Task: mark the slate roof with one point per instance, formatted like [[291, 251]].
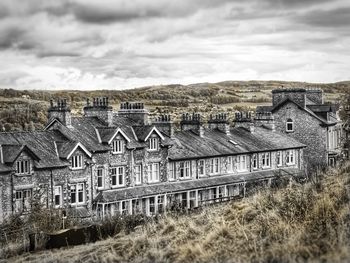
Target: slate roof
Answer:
[[216, 143], [65, 148], [4, 168], [10, 152], [83, 130], [142, 131], [162, 188], [40, 143]]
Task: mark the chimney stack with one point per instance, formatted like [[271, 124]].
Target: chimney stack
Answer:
[[135, 111], [192, 122], [245, 120], [219, 122], [265, 119], [61, 111], [164, 124], [100, 108]]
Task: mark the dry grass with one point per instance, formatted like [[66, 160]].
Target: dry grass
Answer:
[[302, 223]]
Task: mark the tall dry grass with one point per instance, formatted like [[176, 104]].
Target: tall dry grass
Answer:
[[301, 223]]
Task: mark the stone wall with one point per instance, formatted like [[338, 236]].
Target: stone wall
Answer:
[[307, 129]]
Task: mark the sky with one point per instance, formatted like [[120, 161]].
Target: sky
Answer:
[[105, 44]]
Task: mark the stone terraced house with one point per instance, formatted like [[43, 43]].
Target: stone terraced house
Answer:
[[106, 163], [303, 115]]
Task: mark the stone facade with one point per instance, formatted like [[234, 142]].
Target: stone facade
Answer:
[[301, 114], [106, 163]]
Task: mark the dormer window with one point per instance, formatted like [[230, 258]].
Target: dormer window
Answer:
[[23, 167], [77, 162], [289, 125], [153, 143], [118, 146]]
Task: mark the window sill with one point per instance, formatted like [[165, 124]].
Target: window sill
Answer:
[[185, 178], [116, 153], [77, 204], [18, 174], [153, 182], [153, 150], [76, 168], [289, 131], [117, 186]]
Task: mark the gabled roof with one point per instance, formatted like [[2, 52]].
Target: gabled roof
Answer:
[[118, 130], [66, 149], [143, 132], [306, 109], [40, 143], [52, 122], [11, 152]]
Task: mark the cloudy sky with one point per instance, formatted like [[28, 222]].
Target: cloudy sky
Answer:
[[105, 44]]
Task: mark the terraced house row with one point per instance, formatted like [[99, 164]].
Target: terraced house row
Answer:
[[106, 163]]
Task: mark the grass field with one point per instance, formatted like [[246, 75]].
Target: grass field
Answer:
[[300, 223]]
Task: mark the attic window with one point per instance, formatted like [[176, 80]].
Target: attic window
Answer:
[[233, 142], [153, 144], [289, 125], [118, 146], [77, 162], [23, 167]]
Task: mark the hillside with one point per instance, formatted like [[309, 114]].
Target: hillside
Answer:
[[302, 223], [26, 109]]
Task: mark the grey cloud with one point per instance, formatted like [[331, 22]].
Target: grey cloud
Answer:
[[49, 53], [12, 36], [292, 3], [105, 14], [339, 17]]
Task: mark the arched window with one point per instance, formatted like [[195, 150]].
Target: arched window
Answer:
[[289, 125]]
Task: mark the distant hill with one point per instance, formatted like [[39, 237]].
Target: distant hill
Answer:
[[26, 109]]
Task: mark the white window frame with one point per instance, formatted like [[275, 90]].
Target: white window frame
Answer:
[[77, 162], [172, 171], [215, 165], [185, 170], [138, 174], [242, 163], [290, 157], [255, 161], [79, 188], [230, 164], [118, 174], [23, 166], [100, 175], [58, 192], [118, 146], [153, 172], [201, 164], [289, 122], [279, 158], [266, 160], [153, 143]]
